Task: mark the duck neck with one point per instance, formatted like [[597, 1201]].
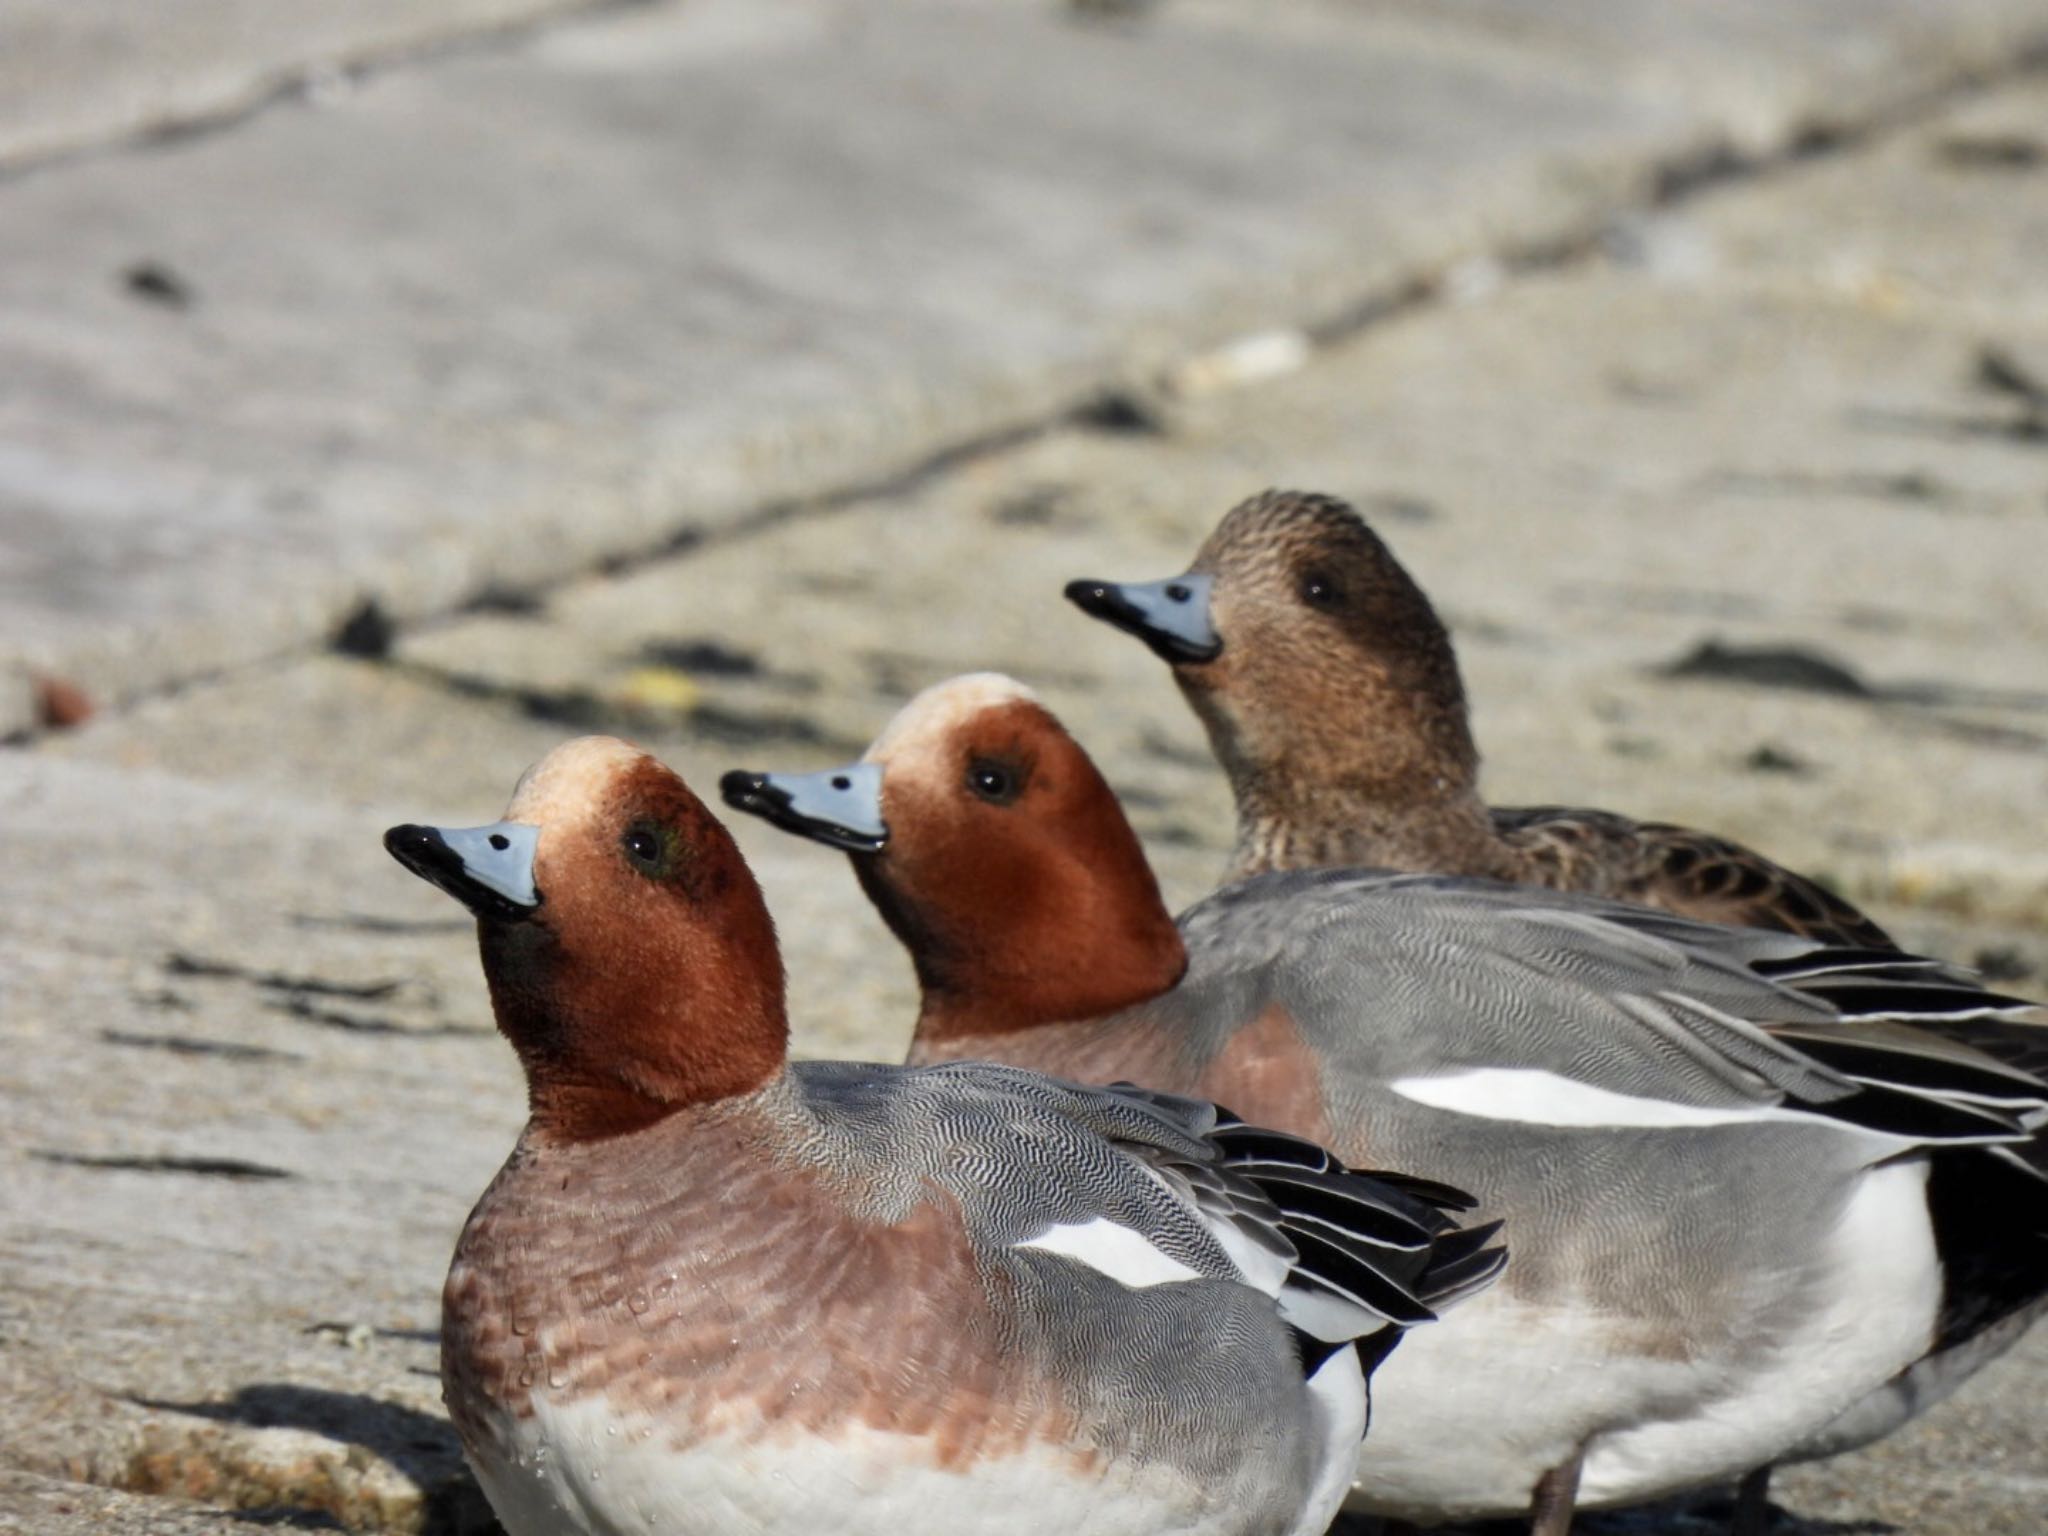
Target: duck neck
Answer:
[[1374, 766], [1006, 969], [1435, 825], [610, 1046]]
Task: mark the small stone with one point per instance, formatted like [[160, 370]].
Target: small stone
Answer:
[[60, 704]]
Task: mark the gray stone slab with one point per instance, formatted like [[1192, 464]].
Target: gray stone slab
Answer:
[[1765, 70], [1709, 437], [78, 74], [514, 313], [1949, 221], [247, 1088]]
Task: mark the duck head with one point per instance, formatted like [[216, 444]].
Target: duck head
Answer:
[[997, 854], [630, 958], [1315, 662]]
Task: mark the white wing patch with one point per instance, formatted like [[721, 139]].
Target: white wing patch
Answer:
[[1263, 1271], [1323, 1316], [1535, 1097], [1127, 1257]]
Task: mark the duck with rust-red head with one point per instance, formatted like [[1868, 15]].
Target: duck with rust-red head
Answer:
[[715, 1291], [1764, 1206]]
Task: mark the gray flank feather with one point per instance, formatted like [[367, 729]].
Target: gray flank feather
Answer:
[[1398, 976]]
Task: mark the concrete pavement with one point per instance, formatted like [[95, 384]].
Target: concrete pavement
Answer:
[[1676, 364], [575, 292]]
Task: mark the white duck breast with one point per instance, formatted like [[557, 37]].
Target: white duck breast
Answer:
[[582, 1468]]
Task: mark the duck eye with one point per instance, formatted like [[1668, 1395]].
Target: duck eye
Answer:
[[1319, 591], [643, 848], [995, 782]]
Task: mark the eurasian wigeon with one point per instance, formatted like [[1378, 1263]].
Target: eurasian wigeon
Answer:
[[1332, 698], [1745, 1197], [714, 1291]]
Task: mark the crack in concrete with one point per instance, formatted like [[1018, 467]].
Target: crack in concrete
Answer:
[[180, 963], [372, 1023], [194, 1045], [302, 82], [1670, 180], [232, 1168], [598, 709]]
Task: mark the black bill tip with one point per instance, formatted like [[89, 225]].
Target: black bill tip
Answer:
[[426, 852], [1105, 600], [759, 795]]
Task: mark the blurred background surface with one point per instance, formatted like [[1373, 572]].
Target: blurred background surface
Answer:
[[388, 391]]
